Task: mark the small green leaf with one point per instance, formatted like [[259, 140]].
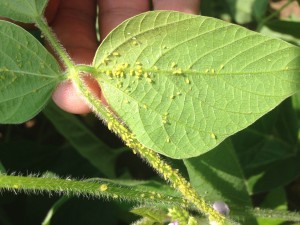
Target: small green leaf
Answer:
[[184, 83], [22, 10], [28, 74]]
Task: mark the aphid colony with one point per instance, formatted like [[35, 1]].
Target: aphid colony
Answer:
[[120, 71]]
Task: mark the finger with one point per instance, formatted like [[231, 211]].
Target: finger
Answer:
[[112, 13], [67, 98], [188, 6], [74, 26]]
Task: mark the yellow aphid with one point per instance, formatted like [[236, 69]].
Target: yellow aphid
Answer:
[[108, 72], [177, 71], [116, 54], [103, 187], [173, 65], [149, 80], [213, 136], [131, 72], [187, 81], [115, 196]]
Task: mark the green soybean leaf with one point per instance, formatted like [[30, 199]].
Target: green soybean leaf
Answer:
[[22, 10], [28, 74], [184, 83]]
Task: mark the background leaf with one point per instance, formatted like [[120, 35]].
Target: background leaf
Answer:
[[28, 74], [195, 80], [241, 10], [22, 10], [83, 140], [276, 199], [259, 9], [285, 30], [218, 176], [265, 147]]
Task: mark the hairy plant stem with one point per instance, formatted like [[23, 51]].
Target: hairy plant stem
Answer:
[[274, 14], [50, 36], [164, 169], [96, 188]]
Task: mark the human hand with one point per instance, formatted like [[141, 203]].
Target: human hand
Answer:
[[74, 25]]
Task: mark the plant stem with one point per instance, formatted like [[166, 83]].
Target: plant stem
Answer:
[[163, 168], [271, 16], [97, 188], [50, 36], [53, 210], [86, 68]]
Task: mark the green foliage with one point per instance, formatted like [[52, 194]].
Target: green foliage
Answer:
[[182, 84], [83, 140], [187, 87], [28, 74], [285, 30], [27, 11], [241, 10], [210, 175]]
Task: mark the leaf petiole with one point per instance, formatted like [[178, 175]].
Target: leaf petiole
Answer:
[[50, 36]]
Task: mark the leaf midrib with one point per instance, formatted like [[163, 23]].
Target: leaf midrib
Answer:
[[176, 121]]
